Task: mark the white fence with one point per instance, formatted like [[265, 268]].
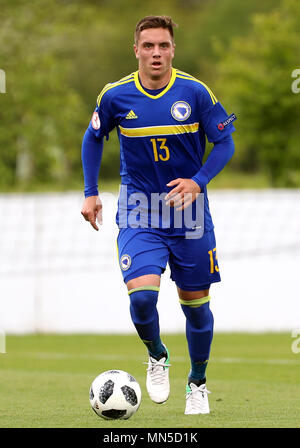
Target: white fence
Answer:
[[57, 274]]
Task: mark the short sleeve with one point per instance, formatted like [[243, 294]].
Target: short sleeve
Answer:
[[102, 121], [214, 119]]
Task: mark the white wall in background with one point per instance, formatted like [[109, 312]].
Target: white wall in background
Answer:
[[59, 275]]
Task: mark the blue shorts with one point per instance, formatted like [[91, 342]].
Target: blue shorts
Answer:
[[193, 262]]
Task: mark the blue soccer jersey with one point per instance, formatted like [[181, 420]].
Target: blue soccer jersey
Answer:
[[162, 137]]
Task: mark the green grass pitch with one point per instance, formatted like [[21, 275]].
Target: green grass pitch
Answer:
[[254, 381]]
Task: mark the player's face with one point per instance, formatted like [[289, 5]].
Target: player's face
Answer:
[[155, 52]]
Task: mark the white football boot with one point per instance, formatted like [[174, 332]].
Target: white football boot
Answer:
[[157, 383], [196, 399]]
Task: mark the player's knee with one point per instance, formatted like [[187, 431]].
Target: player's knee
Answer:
[[143, 302], [192, 295], [198, 312]]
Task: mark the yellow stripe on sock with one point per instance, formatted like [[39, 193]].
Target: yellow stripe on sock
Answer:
[[144, 288], [195, 302]]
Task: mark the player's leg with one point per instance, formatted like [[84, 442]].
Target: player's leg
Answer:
[[199, 331], [143, 293], [199, 334], [194, 267], [143, 258]]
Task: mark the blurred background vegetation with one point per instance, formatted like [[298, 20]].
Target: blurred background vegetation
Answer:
[[58, 55]]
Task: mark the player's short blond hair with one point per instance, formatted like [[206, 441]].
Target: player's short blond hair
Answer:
[[154, 22]]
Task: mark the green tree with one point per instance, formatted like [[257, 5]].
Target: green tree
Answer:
[[59, 54], [40, 114], [255, 78]]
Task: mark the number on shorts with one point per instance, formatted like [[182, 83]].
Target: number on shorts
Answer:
[[213, 260]]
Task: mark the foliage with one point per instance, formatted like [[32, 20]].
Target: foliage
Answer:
[[59, 54], [39, 113], [256, 79]]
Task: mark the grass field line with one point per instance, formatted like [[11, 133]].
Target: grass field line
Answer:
[[180, 359]]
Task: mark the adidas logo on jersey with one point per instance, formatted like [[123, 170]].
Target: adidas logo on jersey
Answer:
[[131, 115]]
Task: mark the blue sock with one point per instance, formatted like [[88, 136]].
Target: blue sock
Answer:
[[199, 334], [144, 316], [197, 372]]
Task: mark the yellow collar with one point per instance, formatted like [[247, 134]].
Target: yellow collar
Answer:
[[154, 97]]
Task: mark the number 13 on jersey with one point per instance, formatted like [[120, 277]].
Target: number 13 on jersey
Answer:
[[160, 150]]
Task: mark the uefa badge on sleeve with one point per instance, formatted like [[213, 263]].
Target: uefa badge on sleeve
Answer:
[[222, 124], [96, 121]]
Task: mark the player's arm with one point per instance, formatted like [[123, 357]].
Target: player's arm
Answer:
[[219, 156], [101, 124], [185, 191], [91, 155], [218, 128]]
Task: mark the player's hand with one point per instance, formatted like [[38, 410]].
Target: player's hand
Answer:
[[92, 210], [185, 191]]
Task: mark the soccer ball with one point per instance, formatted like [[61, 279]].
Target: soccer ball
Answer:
[[115, 394]]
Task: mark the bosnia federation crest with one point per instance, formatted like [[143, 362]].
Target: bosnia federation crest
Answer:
[[181, 110], [125, 262]]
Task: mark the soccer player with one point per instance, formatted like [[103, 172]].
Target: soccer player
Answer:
[[163, 116]]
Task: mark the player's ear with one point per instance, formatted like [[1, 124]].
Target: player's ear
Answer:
[[174, 46], [135, 49]]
